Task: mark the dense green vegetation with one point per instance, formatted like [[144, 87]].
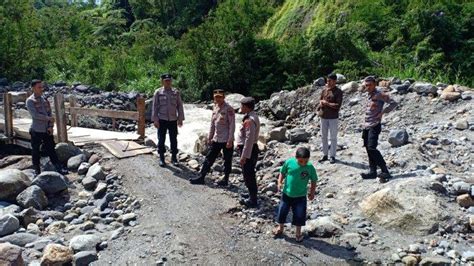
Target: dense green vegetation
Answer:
[[249, 46]]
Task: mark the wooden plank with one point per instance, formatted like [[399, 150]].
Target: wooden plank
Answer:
[[141, 116], [104, 113], [23, 143], [72, 103], [124, 149], [61, 122], [7, 110]]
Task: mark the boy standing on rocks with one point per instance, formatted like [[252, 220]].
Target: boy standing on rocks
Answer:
[[221, 138], [42, 128], [168, 115], [294, 176], [373, 126]]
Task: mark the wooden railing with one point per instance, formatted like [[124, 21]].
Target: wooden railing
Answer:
[[61, 115]]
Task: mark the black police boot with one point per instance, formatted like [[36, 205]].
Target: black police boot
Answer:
[[384, 177], [174, 160], [325, 158], [369, 175], [61, 170], [197, 181], [251, 202], [332, 160], [162, 160], [37, 169]]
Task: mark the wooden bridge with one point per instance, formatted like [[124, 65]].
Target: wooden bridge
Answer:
[[16, 125]]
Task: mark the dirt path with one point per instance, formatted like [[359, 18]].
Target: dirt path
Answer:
[[184, 224]]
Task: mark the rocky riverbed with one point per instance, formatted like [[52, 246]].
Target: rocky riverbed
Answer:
[[424, 215]]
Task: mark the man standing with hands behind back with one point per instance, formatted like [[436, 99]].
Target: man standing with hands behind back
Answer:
[[168, 115], [41, 129], [329, 106]]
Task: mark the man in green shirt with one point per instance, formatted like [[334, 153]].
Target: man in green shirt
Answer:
[[296, 172]]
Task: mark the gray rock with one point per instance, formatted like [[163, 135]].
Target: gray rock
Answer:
[[278, 134], [435, 261], [340, 78], [100, 190], [468, 255], [298, 135], [322, 227], [11, 255], [127, 218], [437, 186], [400, 88], [89, 183], [416, 248], [85, 258], [352, 239], [32, 197], [462, 124], [74, 162], [96, 172], [234, 99], [104, 202], [461, 187], [8, 224], [350, 87], [83, 168], [19, 239], [39, 244], [65, 151], [319, 82], [453, 254], [51, 182], [12, 182], [354, 101], [424, 88], [81, 88], [398, 138], [84, 243]]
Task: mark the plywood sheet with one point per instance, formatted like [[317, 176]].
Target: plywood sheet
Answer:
[[123, 149]]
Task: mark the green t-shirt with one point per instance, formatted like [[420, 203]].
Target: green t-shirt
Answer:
[[297, 178]]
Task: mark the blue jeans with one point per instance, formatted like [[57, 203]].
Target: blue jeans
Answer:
[[298, 207]]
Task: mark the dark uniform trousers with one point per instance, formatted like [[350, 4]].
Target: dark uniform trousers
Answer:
[[371, 137], [214, 151], [248, 171], [172, 128], [38, 138]]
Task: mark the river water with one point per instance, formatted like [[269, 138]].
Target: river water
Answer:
[[197, 121]]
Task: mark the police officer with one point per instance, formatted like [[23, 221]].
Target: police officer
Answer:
[[41, 129], [221, 137], [248, 148], [168, 115]]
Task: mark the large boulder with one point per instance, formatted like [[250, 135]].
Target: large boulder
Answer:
[[96, 172], [398, 137], [8, 208], [200, 146], [19, 239], [400, 88], [298, 135], [12, 182], [84, 243], [85, 258], [409, 206], [34, 197], [234, 100], [322, 227], [51, 182], [10, 255], [66, 151], [424, 88], [278, 134], [55, 254], [350, 87], [340, 78], [148, 109], [8, 224], [450, 94], [74, 162], [18, 97]]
